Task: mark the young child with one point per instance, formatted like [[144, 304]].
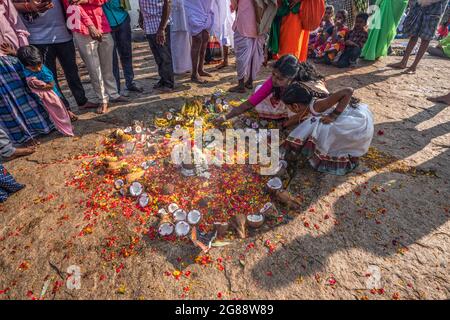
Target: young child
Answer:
[[41, 82], [332, 49], [317, 39], [354, 42], [335, 132]]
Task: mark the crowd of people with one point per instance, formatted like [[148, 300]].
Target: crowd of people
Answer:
[[36, 34]]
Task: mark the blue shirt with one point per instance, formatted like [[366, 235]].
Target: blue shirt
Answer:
[[44, 75], [49, 27], [115, 14]]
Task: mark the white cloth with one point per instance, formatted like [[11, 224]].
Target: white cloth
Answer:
[[99, 60], [222, 27], [199, 15], [349, 135], [180, 39], [249, 55]]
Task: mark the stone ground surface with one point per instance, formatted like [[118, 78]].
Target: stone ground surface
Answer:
[[391, 214]]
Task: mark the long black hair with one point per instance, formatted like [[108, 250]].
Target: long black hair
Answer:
[[289, 67], [300, 93]]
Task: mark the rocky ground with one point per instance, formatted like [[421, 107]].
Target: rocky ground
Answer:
[[382, 232]]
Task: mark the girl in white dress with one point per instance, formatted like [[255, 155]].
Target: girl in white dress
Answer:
[[334, 131]]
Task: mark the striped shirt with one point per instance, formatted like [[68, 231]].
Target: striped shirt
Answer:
[[152, 11]]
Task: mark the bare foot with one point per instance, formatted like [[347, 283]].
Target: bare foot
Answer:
[[33, 143], [198, 80], [89, 105], [73, 116], [20, 152], [102, 108], [441, 99], [398, 65], [249, 85], [204, 74], [238, 89], [410, 70]]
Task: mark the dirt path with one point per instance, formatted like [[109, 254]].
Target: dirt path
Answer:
[[391, 216]]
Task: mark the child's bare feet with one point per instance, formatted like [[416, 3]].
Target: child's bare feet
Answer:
[[398, 65], [102, 108]]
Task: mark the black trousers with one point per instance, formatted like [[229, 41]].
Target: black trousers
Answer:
[[65, 53], [163, 58], [122, 46]]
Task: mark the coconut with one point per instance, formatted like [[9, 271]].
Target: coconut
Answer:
[[275, 183], [182, 228], [194, 217], [173, 207], [179, 215], [162, 212], [136, 189], [270, 211], [118, 184], [221, 228], [255, 220], [138, 129], [144, 199]]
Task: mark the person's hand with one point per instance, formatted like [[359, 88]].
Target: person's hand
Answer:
[[219, 120], [37, 6], [160, 37], [95, 34], [8, 49], [327, 119], [292, 3], [43, 6]]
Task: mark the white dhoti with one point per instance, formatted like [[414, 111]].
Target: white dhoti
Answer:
[[199, 15], [249, 55], [180, 39], [222, 27], [335, 147]]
